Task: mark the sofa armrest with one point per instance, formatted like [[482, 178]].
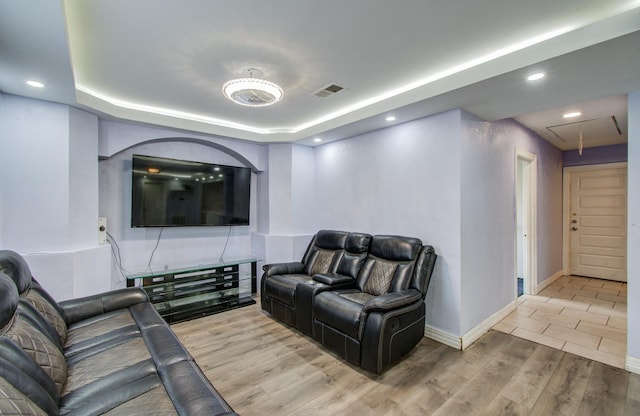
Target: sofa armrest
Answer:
[[333, 279], [86, 307], [393, 300], [294, 267]]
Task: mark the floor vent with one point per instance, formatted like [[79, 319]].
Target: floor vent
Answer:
[[328, 90]]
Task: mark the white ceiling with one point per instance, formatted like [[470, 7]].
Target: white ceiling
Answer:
[[165, 62]]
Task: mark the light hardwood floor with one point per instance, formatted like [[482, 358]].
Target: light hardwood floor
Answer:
[[262, 367], [581, 315]]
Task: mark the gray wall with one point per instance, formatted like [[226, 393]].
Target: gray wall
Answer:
[[595, 155], [401, 180], [633, 235], [448, 179], [177, 245], [48, 179], [488, 230]]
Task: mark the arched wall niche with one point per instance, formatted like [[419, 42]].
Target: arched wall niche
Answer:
[[115, 137], [231, 152], [175, 245]]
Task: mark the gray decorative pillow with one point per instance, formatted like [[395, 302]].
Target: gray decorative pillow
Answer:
[[380, 278], [322, 262]]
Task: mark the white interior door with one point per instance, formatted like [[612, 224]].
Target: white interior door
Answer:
[[598, 223], [526, 220]]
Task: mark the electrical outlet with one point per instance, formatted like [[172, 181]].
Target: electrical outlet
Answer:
[[102, 230]]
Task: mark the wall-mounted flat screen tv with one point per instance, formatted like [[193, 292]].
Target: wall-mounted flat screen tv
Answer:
[[181, 193]]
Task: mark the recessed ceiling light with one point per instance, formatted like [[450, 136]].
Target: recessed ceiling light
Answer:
[[391, 118], [572, 114], [536, 76], [35, 84], [317, 140]]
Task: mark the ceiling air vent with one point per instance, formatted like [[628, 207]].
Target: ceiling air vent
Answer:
[[328, 90]]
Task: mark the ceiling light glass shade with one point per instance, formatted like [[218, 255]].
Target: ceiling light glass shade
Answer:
[[252, 92]]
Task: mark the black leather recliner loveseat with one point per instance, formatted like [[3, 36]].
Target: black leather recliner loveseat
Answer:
[[105, 354], [360, 296]]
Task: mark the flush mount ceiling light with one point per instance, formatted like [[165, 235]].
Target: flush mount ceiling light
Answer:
[[252, 92]]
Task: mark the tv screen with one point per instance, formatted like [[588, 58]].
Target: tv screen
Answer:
[[173, 193]]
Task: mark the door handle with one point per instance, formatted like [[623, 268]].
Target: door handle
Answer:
[[574, 221], [574, 228]]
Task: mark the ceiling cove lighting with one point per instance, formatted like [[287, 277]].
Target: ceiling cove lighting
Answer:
[[317, 140], [536, 76], [169, 112], [391, 118], [572, 114], [252, 92], [463, 66]]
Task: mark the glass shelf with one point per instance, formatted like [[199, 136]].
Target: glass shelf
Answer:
[[191, 267], [203, 298], [182, 292]]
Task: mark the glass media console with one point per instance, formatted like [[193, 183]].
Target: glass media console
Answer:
[[185, 292]]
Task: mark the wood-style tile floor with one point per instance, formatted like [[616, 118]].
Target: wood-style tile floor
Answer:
[[263, 367], [580, 315]]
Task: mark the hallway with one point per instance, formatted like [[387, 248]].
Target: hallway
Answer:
[[579, 315]]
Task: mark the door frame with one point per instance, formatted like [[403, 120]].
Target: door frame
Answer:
[[530, 201], [566, 206]]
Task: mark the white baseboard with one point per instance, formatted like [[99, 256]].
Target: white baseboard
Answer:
[[540, 286], [443, 337], [632, 364], [484, 327], [479, 330], [461, 343]]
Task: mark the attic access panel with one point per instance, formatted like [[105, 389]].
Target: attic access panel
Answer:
[[600, 131]]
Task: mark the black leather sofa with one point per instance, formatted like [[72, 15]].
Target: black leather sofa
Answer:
[[104, 354], [333, 258], [360, 296]]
